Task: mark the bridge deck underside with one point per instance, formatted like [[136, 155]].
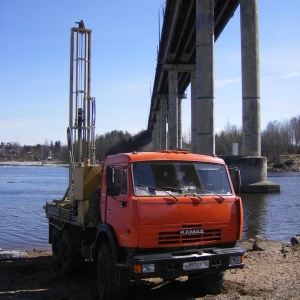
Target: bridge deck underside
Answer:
[[178, 44]]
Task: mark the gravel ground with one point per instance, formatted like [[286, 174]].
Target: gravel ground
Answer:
[[268, 274]]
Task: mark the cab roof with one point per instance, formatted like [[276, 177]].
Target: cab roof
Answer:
[[164, 155]]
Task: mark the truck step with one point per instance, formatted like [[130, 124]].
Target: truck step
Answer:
[[58, 223]]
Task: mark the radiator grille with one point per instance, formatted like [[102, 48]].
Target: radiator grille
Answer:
[[174, 237]]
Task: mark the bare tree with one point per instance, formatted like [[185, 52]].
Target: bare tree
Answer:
[[225, 138], [295, 132], [275, 141]]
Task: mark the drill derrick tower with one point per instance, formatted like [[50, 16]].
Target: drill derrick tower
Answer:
[[82, 107]]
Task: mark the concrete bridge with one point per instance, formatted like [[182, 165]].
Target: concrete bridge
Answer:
[[186, 56]]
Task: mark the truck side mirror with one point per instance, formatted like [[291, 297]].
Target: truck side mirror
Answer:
[[237, 174]]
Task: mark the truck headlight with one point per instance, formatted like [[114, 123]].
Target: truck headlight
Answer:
[[236, 260], [149, 268]]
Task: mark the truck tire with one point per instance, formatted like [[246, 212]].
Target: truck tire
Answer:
[[215, 283], [94, 207], [56, 246], [71, 260], [207, 284], [198, 283], [112, 280]]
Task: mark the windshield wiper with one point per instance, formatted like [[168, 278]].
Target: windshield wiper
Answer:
[[158, 189], [198, 196], [185, 193], [169, 193], [213, 193]]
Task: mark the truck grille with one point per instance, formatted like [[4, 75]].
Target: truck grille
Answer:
[[174, 237]]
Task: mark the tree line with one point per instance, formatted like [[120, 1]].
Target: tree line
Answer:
[[277, 138], [39, 152]]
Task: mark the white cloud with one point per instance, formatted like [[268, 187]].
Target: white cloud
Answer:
[[292, 74], [224, 82]]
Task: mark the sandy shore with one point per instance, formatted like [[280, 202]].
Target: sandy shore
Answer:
[[269, 274]]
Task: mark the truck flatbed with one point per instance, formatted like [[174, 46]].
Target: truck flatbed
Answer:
[[60, 212]]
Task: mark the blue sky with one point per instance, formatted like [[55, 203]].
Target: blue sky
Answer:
[[34, 70]]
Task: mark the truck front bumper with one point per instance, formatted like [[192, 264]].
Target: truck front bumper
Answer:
[[182, 263]]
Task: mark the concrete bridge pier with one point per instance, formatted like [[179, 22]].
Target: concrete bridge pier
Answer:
[[173, 122], [163, 124], [179, 123], [168, 116], [252, 165], [193, 111], [204, 120], [250, 78], [158, 125], [155, 138]]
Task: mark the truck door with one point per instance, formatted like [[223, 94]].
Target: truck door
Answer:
[[117, 208]]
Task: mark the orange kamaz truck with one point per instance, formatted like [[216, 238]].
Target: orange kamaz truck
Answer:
[[151, 214]]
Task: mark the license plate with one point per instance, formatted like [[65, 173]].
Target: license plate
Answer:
[[196, 265]]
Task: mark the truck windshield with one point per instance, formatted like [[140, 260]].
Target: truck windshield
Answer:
[[163, 178]]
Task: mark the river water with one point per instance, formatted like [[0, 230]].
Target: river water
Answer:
[[24, 191]]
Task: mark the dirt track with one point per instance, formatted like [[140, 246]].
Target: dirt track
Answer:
[[268, 274]]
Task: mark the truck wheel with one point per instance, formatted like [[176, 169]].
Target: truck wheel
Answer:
[[112, 281], [56, 246], [94, 207], [198, 283], [70, 259], [215, 283]]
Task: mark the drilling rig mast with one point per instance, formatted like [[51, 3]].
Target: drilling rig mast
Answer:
[[82, 107]]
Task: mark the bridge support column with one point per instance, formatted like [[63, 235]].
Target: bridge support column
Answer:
[[193, 111], [163, 123], [250, 78], [158, 127], [179, 123], [154, 137], [205, 139], [173, 111]]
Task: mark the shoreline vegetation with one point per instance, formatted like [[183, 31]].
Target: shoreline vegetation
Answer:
[[272, 271], [276, 139], [288, 163]]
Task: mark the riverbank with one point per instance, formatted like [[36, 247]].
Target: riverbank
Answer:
[[272, 273], [33, 163], [288, 163]]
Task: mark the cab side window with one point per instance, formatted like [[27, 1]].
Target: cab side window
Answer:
[[124, 182], [121, 179]]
